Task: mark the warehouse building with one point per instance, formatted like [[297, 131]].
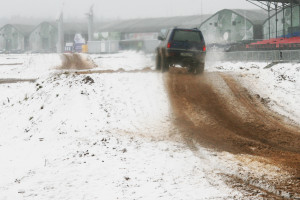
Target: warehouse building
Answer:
[[141, 34], [149, 27], [44, 38], [230, 26], [14, 38]]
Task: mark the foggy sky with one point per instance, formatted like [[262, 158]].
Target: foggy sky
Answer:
[[114, 9]]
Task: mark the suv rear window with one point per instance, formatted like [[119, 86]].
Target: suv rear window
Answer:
[[186, 35]]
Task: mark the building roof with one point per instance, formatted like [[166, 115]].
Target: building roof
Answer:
[[23, 29], [54, 24], [151, 24], [280, 1], [69, 28], [256, 17]]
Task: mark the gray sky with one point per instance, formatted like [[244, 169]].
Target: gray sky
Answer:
[[116, 8]]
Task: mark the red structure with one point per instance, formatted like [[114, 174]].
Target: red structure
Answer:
[[276, 43]]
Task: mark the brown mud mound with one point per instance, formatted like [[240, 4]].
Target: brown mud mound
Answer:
[[215, 111], [76, 61]]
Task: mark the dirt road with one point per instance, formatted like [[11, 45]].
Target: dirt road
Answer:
[[214, 110]]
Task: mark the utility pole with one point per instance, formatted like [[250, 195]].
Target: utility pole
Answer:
[[276, 20], [60, 41], [292, 31], [269, 20], [90, 24], [283, 19]]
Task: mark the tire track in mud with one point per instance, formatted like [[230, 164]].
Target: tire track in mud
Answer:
[[215, 111], [110, 71]]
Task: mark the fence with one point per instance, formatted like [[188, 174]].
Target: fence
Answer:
[[260, 56]]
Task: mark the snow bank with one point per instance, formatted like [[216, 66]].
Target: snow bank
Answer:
[[28, 66], [129, 60]]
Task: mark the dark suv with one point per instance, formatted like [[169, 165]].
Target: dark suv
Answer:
[[181, 46]]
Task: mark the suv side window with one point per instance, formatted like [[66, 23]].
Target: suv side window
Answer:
[[187, 35], [168, 33]]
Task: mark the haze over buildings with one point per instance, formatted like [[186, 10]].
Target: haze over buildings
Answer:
[[116, 9]]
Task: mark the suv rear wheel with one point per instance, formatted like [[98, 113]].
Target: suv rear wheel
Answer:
[[164, 64], [199, 68], [157, 62]]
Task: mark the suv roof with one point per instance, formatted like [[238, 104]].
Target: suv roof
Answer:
[[186, 34], [182, 28]]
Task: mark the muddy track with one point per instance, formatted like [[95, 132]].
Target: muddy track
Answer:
[[110, 71], [215, 111], [14, 80]]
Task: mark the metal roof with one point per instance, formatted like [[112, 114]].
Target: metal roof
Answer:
[[23, 29], [69, 27], [271, 5], [54, 24], [280, 1], [151, 24], [256, 17]]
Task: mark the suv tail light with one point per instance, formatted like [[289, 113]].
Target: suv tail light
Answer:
[[169, 45], [204, 48]]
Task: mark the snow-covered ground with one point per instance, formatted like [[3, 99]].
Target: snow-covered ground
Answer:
[[278, 86], [108, 135], [26, 66]]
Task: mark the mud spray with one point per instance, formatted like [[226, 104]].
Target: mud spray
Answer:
[[77, 62]]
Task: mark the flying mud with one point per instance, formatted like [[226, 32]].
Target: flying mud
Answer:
[[217, 112], [76, 62]]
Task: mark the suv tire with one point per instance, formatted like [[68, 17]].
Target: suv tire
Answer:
[[157, 62], [164, 64], [200, 68]]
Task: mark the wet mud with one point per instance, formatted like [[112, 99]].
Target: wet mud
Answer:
[[217, 112]]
